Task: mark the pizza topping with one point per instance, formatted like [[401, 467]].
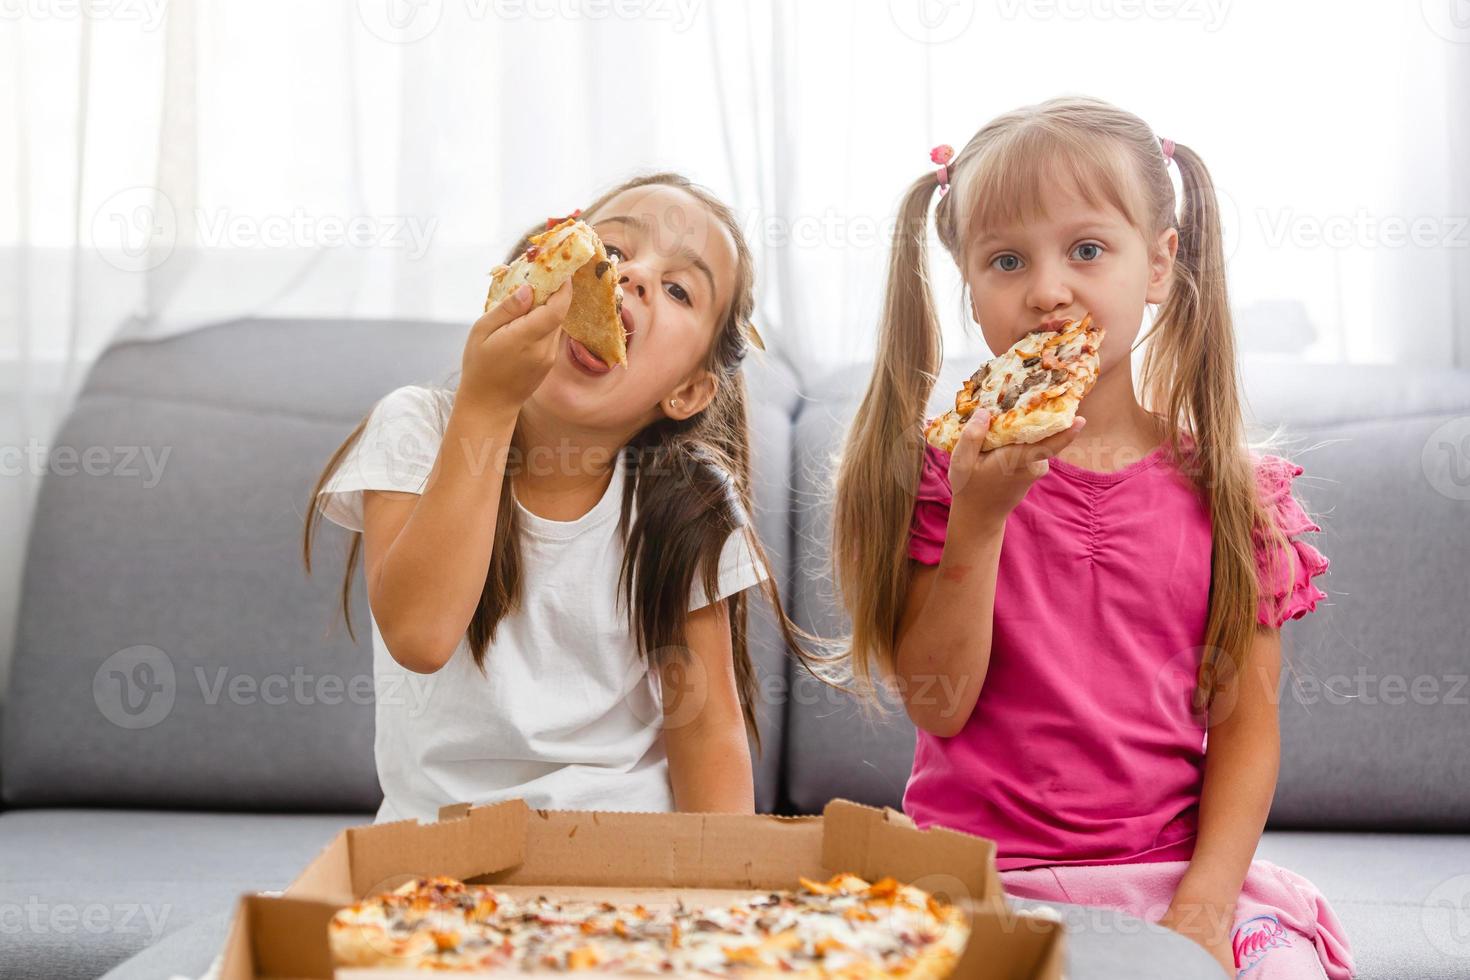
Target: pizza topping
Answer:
[[1035, 378], [843, 926], [553, 222], [827, 945], [601, 268], [532, 252], [884, 889], [742, 954], [582, 958]]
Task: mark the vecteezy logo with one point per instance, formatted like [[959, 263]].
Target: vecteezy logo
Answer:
[[932, 21], [1446, 459], [134, 688], [1450, 19], [1254, 938], [135, 229], [400, 21], [1445, 916]]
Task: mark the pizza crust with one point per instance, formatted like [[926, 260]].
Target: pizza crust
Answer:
[[570, 250]]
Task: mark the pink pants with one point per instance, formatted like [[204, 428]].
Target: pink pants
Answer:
[[1284, 928]]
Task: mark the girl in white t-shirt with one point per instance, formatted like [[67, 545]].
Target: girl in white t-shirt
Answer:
[[556, 552]]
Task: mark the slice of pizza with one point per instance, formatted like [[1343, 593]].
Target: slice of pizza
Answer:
[[570, 249], [1031, 391]]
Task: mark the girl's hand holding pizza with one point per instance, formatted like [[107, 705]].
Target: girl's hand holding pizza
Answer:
[[511, 349], [989, 484]]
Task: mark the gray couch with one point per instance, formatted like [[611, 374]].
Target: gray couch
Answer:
[[187, 720]]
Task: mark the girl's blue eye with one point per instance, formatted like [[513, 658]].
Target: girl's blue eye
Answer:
[[679, 293], [999, 260], [1095, 254]]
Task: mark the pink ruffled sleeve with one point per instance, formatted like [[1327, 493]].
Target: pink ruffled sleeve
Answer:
[[931, 508], [1287, 590]]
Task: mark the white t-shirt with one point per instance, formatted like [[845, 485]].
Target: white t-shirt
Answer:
[[566, 715]]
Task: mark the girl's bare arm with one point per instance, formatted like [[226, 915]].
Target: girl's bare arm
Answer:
[[426, 556], [943, 646], [704, 728]]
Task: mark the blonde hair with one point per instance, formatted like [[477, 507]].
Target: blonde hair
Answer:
[[1188, 379]]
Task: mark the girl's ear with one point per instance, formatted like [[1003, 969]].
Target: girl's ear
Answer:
[[1161, 266], [691, 397]]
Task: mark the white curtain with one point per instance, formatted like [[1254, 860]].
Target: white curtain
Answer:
[[172, 163]]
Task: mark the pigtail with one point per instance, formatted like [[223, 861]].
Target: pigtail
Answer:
[[1190, 373], [882, 457]]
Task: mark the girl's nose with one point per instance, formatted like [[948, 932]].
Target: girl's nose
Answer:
[[1048, 292], [633, 277]]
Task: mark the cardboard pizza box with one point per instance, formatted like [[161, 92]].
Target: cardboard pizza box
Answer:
[[647, 857]]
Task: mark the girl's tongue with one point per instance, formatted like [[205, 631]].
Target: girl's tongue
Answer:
[[586, 358]]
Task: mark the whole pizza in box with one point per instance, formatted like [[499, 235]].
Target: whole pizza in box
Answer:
[[844, 927]]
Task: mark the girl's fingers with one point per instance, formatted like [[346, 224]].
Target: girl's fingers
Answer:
[[972, 436], [514, 305], [549, 317], [545, 319]]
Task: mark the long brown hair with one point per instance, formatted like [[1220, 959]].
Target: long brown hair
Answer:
[[1188, 379], [691, 481]]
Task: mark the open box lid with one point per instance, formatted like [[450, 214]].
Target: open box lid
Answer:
[[510, 844]]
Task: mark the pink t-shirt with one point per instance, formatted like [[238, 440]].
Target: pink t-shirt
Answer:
[[1082, 747]]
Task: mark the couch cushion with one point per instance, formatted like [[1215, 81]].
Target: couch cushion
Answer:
[[170, 650], [1375, 710], [833, 746], [1401, 897], [1375, 701], [191, 952], [774, 396], [1103, 944], [82, 890], [1396, 534]]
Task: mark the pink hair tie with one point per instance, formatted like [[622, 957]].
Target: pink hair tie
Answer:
[[1168, 150], [942, 154]]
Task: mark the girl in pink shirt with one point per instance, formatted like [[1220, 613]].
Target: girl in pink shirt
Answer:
[[1067, 622]]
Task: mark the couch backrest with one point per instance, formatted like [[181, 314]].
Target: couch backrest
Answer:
[[170, 652], [1377, 707], [170, 649]]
